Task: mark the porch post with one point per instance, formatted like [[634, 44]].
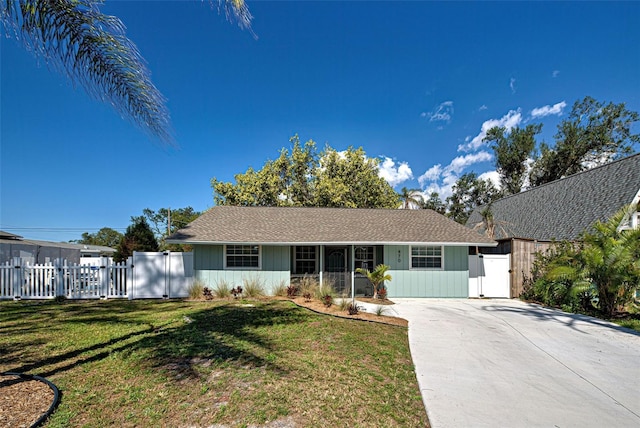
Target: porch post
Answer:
[[320, 268], [353, 275]]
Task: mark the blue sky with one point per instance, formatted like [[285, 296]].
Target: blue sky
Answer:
[[413, 83]]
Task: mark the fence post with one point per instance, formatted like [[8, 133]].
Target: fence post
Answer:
[[167, 274], [130, 282], [17, 278], [59, 277], [104, 275]]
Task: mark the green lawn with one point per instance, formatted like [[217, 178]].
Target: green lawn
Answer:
[[192, 364]]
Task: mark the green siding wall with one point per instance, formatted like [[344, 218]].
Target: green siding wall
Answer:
[[452, 281], [209, 267]]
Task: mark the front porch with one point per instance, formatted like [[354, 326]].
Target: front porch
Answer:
[[335, 266]]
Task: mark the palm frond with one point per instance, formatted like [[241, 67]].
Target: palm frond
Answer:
[[92, 50]]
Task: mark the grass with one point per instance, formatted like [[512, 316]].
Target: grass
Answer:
[[235, 363], [222, 290], [253, 287]]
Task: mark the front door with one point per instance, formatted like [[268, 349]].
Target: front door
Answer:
[[336, 267]]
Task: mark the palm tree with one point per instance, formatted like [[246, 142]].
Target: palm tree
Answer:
[[377, 276], [612, 262], [91, 49], [411, 198]]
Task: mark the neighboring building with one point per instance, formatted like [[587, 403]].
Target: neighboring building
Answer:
[[530, 221], [427, 252], [38, 252]]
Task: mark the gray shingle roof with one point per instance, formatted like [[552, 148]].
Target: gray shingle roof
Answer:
[[296, 225], [565, 208]]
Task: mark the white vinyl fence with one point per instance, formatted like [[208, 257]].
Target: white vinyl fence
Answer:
[[144, 275]]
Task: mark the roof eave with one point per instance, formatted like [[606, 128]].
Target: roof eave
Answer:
[[444, 243]]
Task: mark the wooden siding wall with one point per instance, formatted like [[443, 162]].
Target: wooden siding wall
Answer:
[[522, 257], [452, 281], [209, 267]]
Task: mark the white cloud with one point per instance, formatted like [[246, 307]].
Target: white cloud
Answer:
[[483, 107], [442, 113], [555, 73], [548, 110], [441, 180], [493, 176], [509, 121], [393, 174], [512, 85], [432, 174]]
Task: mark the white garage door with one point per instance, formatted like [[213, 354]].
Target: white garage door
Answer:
[[489, 275]]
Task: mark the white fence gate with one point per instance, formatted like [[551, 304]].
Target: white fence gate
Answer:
[[144, 275], [489, 275]]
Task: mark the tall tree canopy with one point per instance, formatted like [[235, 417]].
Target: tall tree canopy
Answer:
[[305, 177], [434, 202], [512, 150], [106, 236], [138, 237], [166, 221], [593, 134], [470, 192], [92, 50]]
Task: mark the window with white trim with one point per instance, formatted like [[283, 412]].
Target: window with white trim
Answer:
[[242, 256], [305, 259], [364, 258], [426, 257]]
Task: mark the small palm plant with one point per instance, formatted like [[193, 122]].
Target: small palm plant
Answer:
[[378, 276]]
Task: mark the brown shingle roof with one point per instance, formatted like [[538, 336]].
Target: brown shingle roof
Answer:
[[297, 225]]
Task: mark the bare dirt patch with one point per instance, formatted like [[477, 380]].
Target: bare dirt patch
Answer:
[[23, 401]]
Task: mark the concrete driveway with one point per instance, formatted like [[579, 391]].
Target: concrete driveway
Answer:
[[505, 363]]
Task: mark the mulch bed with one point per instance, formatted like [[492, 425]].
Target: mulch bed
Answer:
[[334, 310], [23, 401]]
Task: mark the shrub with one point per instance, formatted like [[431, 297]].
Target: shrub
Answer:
[[309, 285], [236, 292], [307, 296], [281, 289], [382, 294], [381, 310], [353, 309], [206, 293], [222, 289], [292, 291], [327, 300], [344, 303], [195, 290], [253, 287]]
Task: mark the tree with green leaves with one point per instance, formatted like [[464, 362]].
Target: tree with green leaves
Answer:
[[411, 198], [306, 178], [434, 203], [106, 237], [605, 265], [138, 237], [166, 221], [350, 179], [377, 276], [470, 192], [512, 149], [593, 134], [611, 258], [91, 49]]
